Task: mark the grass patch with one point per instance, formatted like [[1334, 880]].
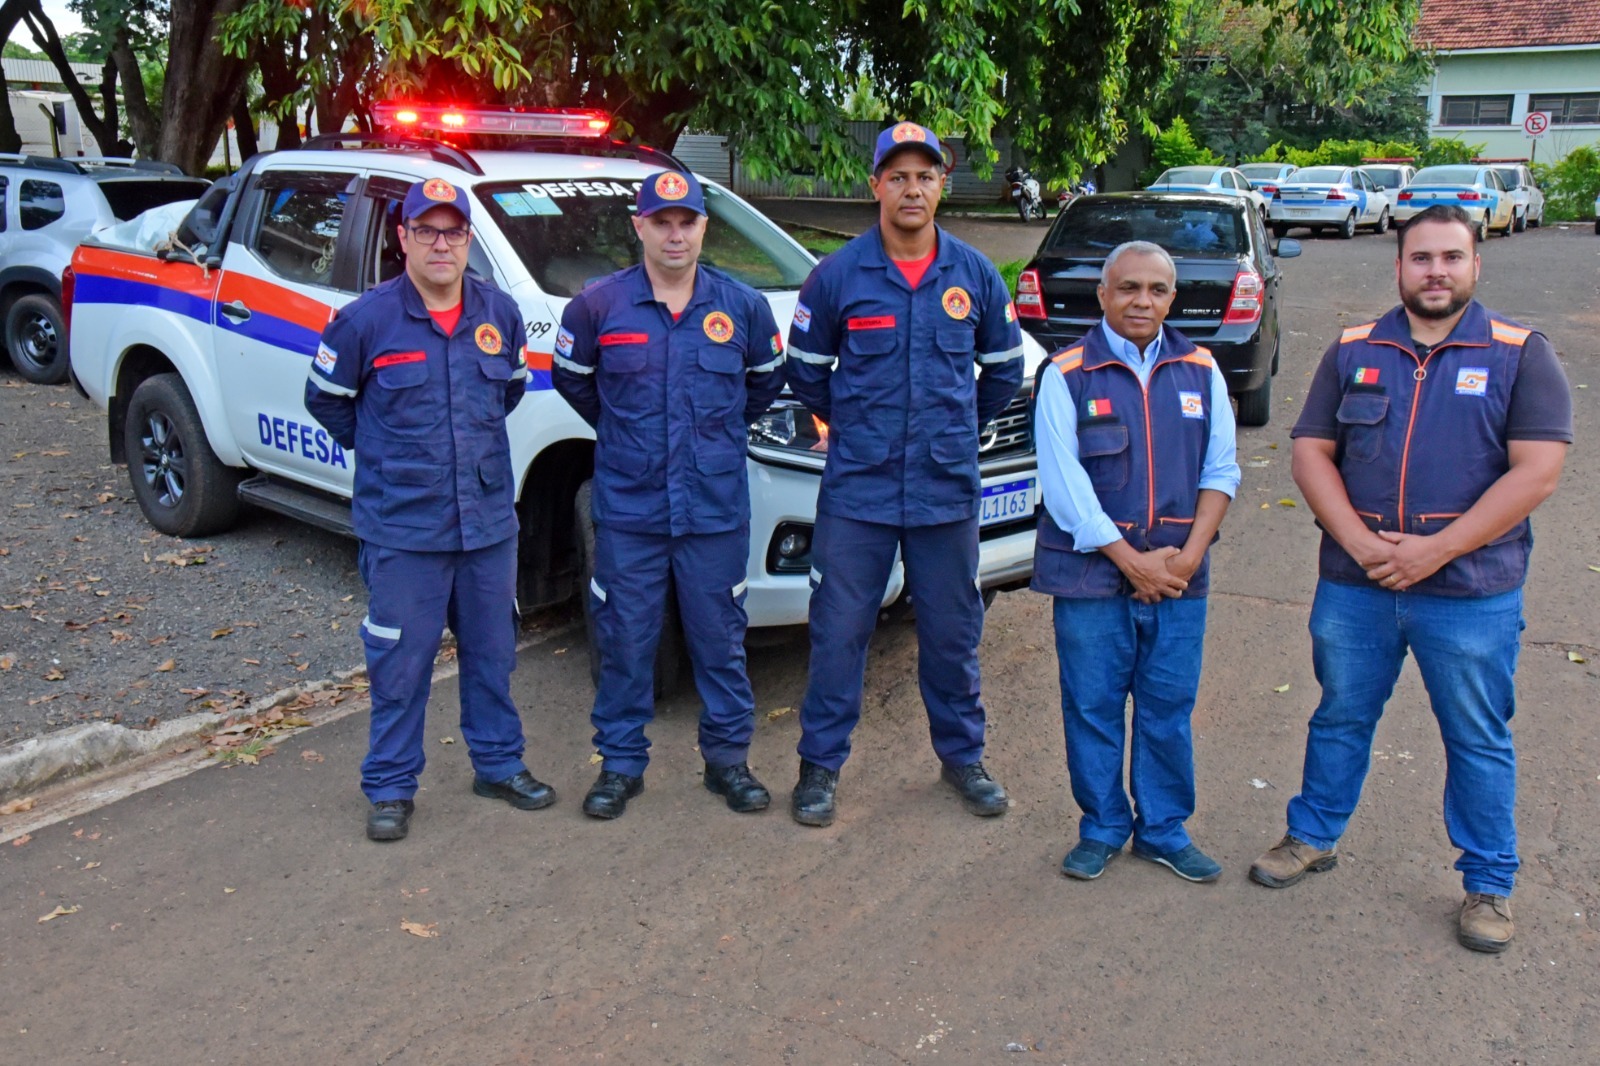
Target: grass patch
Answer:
[[815, 241], [1010, 272]]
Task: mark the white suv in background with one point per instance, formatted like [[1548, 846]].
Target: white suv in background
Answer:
[[1526, 198], [47, 206]]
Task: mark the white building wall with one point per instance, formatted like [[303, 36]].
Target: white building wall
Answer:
[[1521, 74]]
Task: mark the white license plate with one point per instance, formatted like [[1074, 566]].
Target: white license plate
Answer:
[[1006, 501], [1302, 212]]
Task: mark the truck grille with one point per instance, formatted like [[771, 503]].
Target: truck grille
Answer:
[[1010, 433]]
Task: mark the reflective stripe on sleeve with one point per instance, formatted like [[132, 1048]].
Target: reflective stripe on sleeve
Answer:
[[329, 387], [594, 587], [520, 374], [812, 357], [991, 358], [816, 575], [385, 632], [738, 590], [567, 364], [765, 367]]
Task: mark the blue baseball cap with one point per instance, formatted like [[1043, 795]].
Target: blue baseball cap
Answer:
[[670, 188], [907, 135], [424, 196]]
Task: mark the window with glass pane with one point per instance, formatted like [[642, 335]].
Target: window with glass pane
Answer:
[[300, 225], [39, 203], [1476, 111], [1572, 109]]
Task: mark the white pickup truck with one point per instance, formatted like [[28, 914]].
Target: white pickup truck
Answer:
[[199, 352]]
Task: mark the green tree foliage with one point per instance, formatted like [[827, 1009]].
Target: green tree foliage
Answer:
[[1570, 186], [1437, 152], [1175, 147], [1069, 81], [1250, 75]]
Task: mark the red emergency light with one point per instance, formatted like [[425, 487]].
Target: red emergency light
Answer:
[[518, 121]]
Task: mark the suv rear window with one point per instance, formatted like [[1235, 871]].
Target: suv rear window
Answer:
[[130, 198], [1092, 228], [39, 203], [569, 233]]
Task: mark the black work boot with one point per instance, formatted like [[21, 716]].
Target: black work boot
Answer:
[[609, 795], [389, 819], [812, 802], [980, 793], [739, 786]]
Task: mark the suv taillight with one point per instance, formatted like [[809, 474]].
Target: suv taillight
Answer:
[[69, 281], [1030, 295], [1244, 303]]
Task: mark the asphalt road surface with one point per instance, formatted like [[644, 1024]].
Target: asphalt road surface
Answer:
[[238, 914]]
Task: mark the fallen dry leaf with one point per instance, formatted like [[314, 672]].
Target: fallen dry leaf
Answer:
[[1280, 688], [17, 806], [447, 740], [414, 928], [55, 454], [217, 634], [1286, 502], [774, 715], [167, 667], [55, 675], [7, 662], [251, 662], [1575, 657], [21, 840], [310, 756], [229, 891], [59, 912], [92, 866]]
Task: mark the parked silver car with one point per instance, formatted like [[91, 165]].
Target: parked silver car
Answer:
[[1527, 201]]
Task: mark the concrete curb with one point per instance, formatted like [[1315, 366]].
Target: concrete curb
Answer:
[[79, 750]]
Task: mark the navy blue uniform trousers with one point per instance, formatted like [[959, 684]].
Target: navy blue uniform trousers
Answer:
[[412, 596], [851, 570], [628, 599]]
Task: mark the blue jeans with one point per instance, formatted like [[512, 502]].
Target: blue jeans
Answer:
[[1109, 649], [1466, 649]]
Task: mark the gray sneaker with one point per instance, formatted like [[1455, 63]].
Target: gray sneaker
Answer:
[[1485, 922], [1289, 862]]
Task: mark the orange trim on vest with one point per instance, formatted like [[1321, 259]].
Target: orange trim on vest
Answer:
[[1356, 333], [1069, 360], [1196, 357], [1507, 334]]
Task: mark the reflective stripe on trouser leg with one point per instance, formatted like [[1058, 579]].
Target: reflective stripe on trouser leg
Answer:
[[406, 594], [632, 571], [483, 616], [941, 570], [854, 559], [708, 571]]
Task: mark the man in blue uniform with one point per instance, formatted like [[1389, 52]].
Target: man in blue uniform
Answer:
[[1427, 439], [883, 347], [670, 361], [418, 376], [1137, 463]]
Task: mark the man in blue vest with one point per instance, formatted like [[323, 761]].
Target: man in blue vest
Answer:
[[1427, 439], [670, 361], [418, 376], [884, 342], [1137, 466]]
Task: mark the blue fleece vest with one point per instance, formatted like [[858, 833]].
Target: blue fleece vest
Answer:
[[1143, 448]]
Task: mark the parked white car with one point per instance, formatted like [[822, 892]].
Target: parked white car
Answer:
[[1473, 187], [1265, 177], [1390, 177], [1336, 198], [1526, 198], [1224, 180]]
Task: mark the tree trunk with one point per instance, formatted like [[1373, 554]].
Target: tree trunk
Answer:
[[49, 42], [202, 83], [244, 128], [10, 14], [141, 121]]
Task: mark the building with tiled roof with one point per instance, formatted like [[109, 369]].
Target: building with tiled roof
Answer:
[[1498, 61]]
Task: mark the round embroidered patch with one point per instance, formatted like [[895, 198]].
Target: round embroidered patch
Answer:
[[439, 190], [957, 304], [488, 339], [719, 327], [909, 131], [670, 186]]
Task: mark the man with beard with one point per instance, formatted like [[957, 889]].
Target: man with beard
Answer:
[[1427, 439]]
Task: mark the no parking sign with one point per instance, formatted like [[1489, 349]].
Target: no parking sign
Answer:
[[1536, 124]]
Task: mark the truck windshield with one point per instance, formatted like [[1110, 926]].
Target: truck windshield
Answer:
[[569, 233], [1091, 228]]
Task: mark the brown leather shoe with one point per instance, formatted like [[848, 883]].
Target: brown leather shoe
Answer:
[[1289, 861], [1485, 922]]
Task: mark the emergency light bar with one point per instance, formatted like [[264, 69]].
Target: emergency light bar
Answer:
[[1516, 159], [523, 121]]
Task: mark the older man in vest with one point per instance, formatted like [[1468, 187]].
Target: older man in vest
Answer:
[[1137, 466], [1427, 439]]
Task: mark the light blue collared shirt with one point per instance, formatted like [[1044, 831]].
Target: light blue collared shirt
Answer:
[[1067, 491]]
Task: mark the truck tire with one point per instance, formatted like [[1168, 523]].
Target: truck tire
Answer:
[[1255, 406], [182, 487], [36, 339], [670, 651]]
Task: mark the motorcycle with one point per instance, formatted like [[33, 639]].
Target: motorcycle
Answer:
[[1066, 196], [1025, 194]]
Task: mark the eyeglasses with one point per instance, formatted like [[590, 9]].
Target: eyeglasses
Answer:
[[455, 237]]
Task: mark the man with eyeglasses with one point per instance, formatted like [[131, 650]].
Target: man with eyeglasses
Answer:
[[417, 376]]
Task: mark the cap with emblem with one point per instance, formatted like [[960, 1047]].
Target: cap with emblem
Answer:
[[670, 188], [906, 135], [424, 196]]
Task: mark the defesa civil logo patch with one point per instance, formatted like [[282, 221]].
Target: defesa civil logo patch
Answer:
[[1472, 381]]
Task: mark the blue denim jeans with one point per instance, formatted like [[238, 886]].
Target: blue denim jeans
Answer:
[[1466, 649], [1109, 649]]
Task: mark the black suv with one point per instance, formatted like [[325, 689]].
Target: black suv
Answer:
[[1228, 279]]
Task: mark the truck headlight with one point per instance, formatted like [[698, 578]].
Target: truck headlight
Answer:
[[787, 424]]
